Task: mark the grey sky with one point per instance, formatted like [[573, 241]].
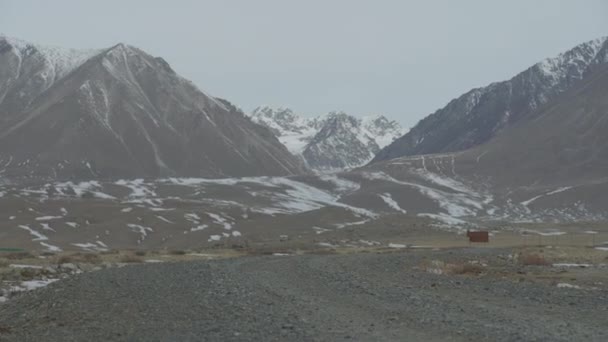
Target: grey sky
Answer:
[[402, 58]]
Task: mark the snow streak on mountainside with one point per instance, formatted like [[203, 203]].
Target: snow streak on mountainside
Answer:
[[335, 141], [119, 112], [480, 114]]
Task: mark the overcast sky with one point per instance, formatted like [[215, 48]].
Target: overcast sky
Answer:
[[404, 59]]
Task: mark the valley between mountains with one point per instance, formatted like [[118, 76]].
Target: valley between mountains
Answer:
[[111, 154]]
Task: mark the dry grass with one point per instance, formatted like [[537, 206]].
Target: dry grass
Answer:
[[28, 273], [533, 260], [465, 268], [458, 268], [177, 252], [140, 253], [18, 255], [4, 263], [131, 258], [86, 258]]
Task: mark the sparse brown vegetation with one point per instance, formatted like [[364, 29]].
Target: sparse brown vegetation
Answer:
[[28, 273], [140, 253], [4, 263], [458, 268], [65, 259], [177, 252], [533, 260], [88, 258], [131, 258], [18, 255], [465, 268]]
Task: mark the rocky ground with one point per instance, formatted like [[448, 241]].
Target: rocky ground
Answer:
[[408, 294]]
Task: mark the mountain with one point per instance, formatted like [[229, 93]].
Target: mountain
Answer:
[[548, 170], [121, 113], [550, 167], [481, 113], [565, 144], [335, 141]]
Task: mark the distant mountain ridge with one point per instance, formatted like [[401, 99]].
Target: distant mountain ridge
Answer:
[[121, 113], [481, 113], [331, 142]]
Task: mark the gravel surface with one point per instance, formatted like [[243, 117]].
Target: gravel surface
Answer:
[[362, 297]]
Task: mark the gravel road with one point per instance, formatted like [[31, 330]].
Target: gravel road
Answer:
[[361, 297]]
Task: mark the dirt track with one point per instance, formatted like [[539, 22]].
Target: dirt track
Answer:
[[360, 297]]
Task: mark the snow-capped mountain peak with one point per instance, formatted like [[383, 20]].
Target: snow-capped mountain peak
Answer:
[[478, 115], [573, 63], [58, 61], [334, 141]]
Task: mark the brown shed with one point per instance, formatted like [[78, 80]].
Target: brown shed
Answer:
[[478, 236]]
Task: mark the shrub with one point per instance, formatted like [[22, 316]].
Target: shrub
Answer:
[[130, 258], [460, 268], [65, 259], [177, 252], [19, 255], [140, 253], [28, 273], [465, 268], [89, 258], [533, 260]]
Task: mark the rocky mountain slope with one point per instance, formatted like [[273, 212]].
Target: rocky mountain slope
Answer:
[[480, 114], [553, 166], [335, 141], [548, 168], [547, 171], [119, 112]]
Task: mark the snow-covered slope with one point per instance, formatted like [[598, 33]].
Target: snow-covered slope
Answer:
[[478, 115], [331, 142]]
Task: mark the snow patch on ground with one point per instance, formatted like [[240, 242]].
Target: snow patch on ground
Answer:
[[48, 218], [141, 230], [164, 219], [556, 191], [448, 220], [25, 266], [319, 230], [348, 224], [36, 234], [219, 220], [214, 238], [342, 185], [51, 248], [91, 247], [79, 189], [456, 204], [199, 228], [32, 285], [388, 199]]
